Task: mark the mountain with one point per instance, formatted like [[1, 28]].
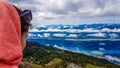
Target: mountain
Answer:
[[39, 56], [98, 40]]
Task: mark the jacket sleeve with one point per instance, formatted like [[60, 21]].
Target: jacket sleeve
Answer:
[[10, 36]]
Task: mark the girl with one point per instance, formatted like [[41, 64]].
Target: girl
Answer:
[[14, 25]]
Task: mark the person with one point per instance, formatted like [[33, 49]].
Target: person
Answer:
[[25, 18], [14, 25]]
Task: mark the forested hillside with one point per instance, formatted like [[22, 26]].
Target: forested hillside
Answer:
[[38, 56]]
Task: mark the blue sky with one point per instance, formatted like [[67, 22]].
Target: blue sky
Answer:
[[72, 12]]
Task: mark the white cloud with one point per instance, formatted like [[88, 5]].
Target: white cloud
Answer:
[[30, 34], [46, 34], [73, 35], [76, 50], [44, 26], [90, 30], [106, 30], [84, 30], [52, 9], [47, 44], [59, 35], [34, 30], [86, 53], [101, 49], [62, 48], [113, 35], [39, 35], [47, 15], [65, 26], [102, 44], [97, 34], [116, 30], [70, 30], [52, 30], [112, 59], [110, 30], [97, 53]]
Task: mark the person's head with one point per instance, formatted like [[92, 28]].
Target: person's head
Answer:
[[25, 18]]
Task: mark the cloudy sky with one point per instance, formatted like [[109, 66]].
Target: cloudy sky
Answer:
[[73, 12]]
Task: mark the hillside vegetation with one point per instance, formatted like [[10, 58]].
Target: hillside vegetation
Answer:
[[39, 56]]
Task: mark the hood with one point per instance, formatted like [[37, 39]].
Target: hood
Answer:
[[10, 36]]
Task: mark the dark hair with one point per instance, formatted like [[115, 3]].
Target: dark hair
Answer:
[[25, 24]]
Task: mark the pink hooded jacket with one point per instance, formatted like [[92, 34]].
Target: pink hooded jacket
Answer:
[[10, 36]]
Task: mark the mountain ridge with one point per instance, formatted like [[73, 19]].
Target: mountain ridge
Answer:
[[46, 56]]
